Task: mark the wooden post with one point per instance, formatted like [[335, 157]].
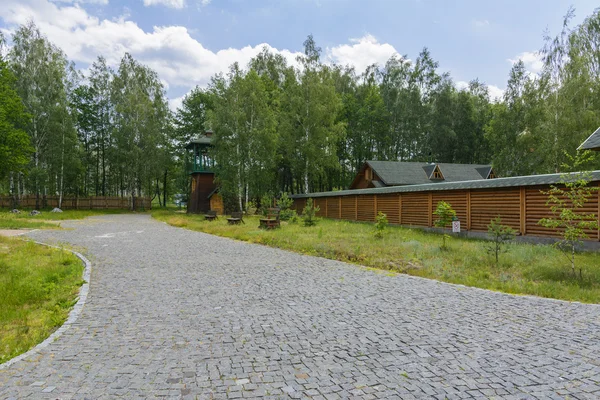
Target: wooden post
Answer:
[[469, 209], [375, 207], [429, 209], [523, 211], [598, 214], [399, 209], [326, 203], [356, 208], [340, 207]]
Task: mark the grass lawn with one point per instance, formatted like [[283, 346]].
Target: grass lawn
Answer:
[[47, 219], [38, 287], [538, 270]]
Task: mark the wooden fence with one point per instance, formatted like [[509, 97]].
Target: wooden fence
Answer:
[[81, 203], [519, 207]]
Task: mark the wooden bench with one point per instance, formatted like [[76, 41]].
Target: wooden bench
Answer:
[[236, 218], [272, 219], [210, 215]]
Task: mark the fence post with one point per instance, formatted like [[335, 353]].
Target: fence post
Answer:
[[356, 207], [375, 207], [522, 211], [399, 209], [469, 209], [598, 214], [340, 206], [430, 208], [326, 204]]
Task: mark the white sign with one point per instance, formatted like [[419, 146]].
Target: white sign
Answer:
[[456, 226]]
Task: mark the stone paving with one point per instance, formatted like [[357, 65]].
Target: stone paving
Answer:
[[181, 314]]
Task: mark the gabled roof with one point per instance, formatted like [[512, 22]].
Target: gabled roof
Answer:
[[592, 142], [530, 180], [395, 173]]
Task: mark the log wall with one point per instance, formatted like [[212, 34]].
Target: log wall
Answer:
[[519, 207]]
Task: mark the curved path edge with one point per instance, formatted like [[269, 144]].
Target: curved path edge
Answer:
[[73, 314]]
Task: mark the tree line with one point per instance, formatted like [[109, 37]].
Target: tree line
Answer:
[[283, 128]]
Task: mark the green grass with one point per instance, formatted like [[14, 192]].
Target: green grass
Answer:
[[538, 270], [38, 287], [47, 220]]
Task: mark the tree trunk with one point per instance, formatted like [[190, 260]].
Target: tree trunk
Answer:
[[165, 188], [62, 171]]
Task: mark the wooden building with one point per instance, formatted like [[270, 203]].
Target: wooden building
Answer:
[[519, 201], [592, 142], [376, 174], [203, 190]]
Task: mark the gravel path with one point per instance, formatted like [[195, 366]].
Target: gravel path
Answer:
[[176, 313]]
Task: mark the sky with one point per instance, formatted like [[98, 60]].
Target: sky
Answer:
[[188, 41]]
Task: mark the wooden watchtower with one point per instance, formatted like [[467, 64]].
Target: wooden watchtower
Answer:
[[201, 169]]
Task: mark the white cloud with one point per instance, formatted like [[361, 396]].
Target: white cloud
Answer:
[[205, 2], [361, 53], [481, 23], [175, 103], [496, 94], [102, 2], [180, 60], [167, 3], [533, 61]]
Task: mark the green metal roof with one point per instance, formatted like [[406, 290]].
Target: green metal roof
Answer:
[[592, 142], [394, 173], [530, 180], [201, 140]]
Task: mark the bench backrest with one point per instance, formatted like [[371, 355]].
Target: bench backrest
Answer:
[[274, 213], [212, 213], [237, 214]]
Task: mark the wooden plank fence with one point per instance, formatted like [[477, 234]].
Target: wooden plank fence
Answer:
[[81, 203], [519, 207]]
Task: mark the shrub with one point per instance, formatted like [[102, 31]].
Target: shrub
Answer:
[[499, 235], [266, 202], [445, 214], [309, 212], [565, 206], [381, 222], [284, 203]]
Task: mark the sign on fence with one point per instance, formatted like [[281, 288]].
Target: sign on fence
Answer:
[[456, 226]]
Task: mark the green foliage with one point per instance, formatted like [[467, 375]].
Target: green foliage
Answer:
[[266, 202], [284, 203], [15, 146], [381, 223], [566, 207], [309, 212], [445, 215], [499, 235]]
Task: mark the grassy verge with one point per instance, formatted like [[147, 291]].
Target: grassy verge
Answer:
[[47, 220], [38, 287], [524, 269]]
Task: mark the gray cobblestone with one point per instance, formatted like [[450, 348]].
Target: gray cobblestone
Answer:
[[180, 314]]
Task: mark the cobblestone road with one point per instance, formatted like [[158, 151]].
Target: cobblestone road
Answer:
[[175, 313]]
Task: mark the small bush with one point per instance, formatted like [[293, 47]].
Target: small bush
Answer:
[[381, 222], [446, 215], [266, 202], [284, 203], [309, 212], [499, 235]]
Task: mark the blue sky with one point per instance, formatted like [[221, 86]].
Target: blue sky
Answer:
[[187, 41]]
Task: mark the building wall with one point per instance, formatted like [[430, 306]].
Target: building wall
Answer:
[[216, 204], [519, 207], [202, 185], [361, 181]]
